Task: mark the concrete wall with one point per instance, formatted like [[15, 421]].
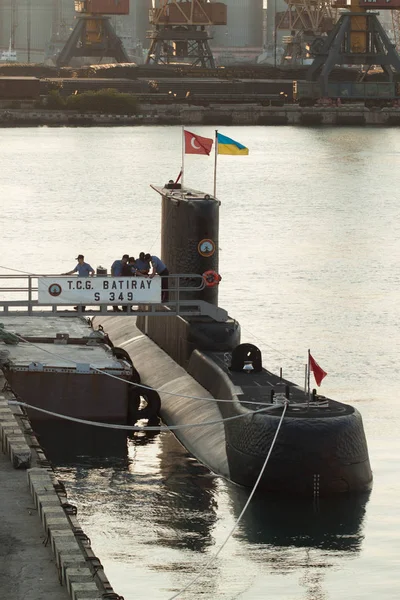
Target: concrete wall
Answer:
[[240, 115]]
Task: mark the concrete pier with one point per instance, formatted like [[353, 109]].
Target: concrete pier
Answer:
[[214, 115], [43, 552], [28, 570]]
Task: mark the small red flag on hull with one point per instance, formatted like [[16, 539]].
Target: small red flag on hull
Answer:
[[319, 373], [195, 144]]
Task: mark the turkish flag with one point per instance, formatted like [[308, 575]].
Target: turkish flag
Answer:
[[319, 373], [195, 144]]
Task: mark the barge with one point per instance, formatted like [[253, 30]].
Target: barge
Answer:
[[57, 363]]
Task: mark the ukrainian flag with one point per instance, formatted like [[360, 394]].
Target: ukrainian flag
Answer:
[[228, 146]]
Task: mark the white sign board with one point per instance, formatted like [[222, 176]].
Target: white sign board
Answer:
[[99, 290]]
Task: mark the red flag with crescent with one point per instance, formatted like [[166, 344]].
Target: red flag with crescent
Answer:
[[195, 144], [319, 373]]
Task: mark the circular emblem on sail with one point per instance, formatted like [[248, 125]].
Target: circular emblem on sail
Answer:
[[55, 289], [206, 247]]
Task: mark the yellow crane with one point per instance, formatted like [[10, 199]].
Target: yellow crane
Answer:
[[93, 34]]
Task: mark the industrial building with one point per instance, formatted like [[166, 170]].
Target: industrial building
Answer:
[[37, 29]]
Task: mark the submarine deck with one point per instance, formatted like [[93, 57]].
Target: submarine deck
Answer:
[[258, 386]]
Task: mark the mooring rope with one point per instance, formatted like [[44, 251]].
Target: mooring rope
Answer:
[[214, 556], [138, 427], [161, 391], [16, 270], [136, 385]]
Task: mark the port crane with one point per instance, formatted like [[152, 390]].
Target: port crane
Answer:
[[358, 38], [306, 20], [93, 34], [179, 31]]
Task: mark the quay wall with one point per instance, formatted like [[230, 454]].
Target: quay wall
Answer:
[[215, 115], [57, 555]]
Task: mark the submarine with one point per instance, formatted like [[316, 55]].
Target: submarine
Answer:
[[222, 403]]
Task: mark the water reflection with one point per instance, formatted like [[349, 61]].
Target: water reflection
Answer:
[[146, 477], [144, 496], [188, 507], [328, 524], [181, 495]]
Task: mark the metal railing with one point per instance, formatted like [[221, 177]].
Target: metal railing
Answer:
[[19, 297]]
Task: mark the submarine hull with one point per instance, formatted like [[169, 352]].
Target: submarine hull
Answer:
[[320, 450]]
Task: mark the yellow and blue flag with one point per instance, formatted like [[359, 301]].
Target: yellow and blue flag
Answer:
[[228, 146]]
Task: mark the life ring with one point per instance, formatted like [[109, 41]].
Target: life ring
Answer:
[[211, 278]]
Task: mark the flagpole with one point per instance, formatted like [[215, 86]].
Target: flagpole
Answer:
[[215, 163], [183, 155], [308, 380]]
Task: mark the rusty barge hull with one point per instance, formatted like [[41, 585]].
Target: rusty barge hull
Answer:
[[61, 368]]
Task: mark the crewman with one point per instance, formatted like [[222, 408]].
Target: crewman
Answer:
[[83, 269], [159, 268], [129, 268], [116, 271], [116, 267], [142, 265]]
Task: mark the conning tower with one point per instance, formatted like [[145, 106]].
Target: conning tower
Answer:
[[189, 244], [189, 234]]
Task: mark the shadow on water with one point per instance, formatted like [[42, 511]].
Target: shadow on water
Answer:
[[187, 511], [164, 487], [153, 480], [334, 523], [66, 443]]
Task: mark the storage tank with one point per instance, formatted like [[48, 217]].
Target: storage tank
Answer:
[[31, 23], [245, 25], [278, 6]]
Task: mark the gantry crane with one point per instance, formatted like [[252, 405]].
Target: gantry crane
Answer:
[[93, 34], [306, 20], [358, 38], [179, 31]]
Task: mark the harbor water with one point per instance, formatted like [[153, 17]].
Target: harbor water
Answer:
[[309, 258]]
